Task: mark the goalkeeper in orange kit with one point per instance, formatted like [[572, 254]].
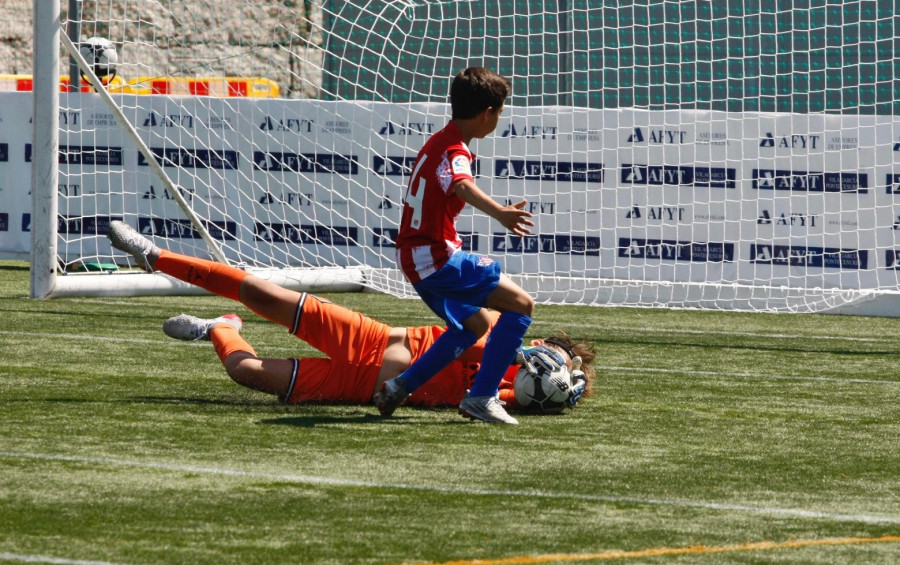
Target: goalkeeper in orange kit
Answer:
[[362, 353]]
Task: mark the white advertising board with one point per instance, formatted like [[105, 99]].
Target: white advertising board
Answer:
[[774, 200]]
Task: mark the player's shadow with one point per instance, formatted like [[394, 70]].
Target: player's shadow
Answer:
[[313, 420], [175, 400]]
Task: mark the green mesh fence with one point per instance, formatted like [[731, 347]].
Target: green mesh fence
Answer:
[[755, 55]]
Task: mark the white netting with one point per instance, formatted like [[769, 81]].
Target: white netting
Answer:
[[699, 154]]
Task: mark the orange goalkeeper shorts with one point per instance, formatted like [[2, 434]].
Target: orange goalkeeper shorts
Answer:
[[355, 344]]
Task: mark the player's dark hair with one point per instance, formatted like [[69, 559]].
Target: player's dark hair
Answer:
[[583, 349], [476, 89]]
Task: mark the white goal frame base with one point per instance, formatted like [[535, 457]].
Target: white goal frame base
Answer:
[[608, 292], [135, 283]]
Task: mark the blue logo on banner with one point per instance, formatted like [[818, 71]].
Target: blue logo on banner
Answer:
[[384, 237], [307, 234], [548, 170], [806, 256], [892, 183], [406, 128], [804, 181], [183, 229], [168, 120], [4, 152], [660, 136], [4, 221], [546, 243], [671, 250], [223, 159], [701, 177], [539, 131], [85, 225], [402, 166], [84, 155], [297, 125], [789, 141], [892, 259], [305, 162], [392, 166]]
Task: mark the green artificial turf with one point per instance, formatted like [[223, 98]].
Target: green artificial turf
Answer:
[[707, 429]]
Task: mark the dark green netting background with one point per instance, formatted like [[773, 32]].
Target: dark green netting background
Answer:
[[755, 55]]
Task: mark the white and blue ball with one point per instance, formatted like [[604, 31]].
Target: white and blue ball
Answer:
[[545, 392]]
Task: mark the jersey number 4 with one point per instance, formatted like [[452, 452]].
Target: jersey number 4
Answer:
[[414, 199]]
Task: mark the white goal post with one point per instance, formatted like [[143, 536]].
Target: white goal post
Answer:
[[673, 154]]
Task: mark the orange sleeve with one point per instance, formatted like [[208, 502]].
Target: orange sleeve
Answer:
[[507, 390]]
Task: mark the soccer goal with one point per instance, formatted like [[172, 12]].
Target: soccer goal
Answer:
[[721, 155]]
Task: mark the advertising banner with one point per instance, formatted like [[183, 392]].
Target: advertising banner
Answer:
[[776, 200]]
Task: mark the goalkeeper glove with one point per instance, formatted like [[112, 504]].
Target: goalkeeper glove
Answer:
[[579, 382], [541, 356]]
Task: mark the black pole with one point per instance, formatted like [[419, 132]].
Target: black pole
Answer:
[[73, 30]]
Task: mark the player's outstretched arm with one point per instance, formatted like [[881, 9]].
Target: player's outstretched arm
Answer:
[[513, 217]]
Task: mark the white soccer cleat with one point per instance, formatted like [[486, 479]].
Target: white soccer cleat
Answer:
[[192, 328], [125, 238], [485, 408]]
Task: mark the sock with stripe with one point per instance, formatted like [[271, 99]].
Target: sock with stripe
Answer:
[[227, 340]]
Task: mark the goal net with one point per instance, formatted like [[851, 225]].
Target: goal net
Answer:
[[728, 155]]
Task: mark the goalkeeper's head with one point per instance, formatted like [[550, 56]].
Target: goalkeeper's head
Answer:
[[475, 90], [570, 348]]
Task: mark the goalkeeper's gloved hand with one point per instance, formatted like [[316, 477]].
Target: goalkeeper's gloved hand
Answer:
[[579, 382], [541, 356]]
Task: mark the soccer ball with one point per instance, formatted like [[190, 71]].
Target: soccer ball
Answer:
[[546, 392], [100, 53]]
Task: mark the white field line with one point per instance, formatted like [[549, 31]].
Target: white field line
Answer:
[[614, 369], [20, 558], [643, 329], [653, 330], [646, 330], [329, 481]]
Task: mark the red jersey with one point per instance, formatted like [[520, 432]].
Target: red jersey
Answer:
[[427, 236]]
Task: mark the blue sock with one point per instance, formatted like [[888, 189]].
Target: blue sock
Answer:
[[499, 353], [442, 352]]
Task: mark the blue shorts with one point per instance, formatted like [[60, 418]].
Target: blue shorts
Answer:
[[459, 288]]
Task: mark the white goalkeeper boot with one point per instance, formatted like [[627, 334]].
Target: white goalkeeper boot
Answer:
[[486, 408], [192, 328], [125, 238]]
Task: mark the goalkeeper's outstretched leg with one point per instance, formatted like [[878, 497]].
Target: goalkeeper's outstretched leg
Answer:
[[272, 302]]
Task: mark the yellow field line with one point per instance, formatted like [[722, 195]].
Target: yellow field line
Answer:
[[661, 551]]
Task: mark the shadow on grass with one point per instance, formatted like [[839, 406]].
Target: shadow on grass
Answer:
[[322, 415], [175, 400], [312, 421]]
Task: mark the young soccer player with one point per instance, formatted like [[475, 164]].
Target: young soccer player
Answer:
[[363, 353], [460, 286]]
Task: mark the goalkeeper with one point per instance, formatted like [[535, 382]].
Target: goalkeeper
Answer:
[[362, 353]]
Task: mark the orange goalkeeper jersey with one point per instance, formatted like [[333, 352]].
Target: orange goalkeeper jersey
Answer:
[[449, 386], [355, 346]]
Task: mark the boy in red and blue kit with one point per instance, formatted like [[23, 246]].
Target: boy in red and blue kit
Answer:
[[459, 286]]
